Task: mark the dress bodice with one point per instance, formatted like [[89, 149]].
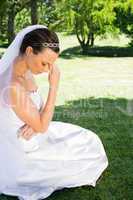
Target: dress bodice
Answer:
[[11, 117], [13, 123]]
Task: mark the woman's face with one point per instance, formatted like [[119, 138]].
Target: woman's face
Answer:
[[41, 62]]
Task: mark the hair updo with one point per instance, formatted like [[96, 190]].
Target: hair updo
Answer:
[[38, 39]]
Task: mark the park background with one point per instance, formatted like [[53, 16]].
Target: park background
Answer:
[[96, 86]]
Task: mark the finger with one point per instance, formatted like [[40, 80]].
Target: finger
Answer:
[[28, 134], [24, 128], [27, 137], [50, 72], [49, 67]]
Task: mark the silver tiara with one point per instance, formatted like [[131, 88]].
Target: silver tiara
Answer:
[[46, 44]]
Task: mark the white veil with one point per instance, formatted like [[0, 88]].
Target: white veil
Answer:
[[10, 151], [7, 59]]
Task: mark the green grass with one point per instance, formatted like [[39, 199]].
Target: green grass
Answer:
[[97, 93]]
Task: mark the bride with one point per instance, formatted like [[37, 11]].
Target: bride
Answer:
[[39, 156]]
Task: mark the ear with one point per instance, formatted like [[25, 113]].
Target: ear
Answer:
[[29, 51]]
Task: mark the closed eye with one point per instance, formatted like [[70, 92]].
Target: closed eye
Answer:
[[44, 64]]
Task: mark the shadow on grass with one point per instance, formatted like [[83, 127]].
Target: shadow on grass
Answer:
[[104, 51], [112, 121]]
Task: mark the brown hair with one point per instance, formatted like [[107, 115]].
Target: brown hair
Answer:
[[38, 39]]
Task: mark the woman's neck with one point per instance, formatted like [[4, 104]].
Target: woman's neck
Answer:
[[19, 66]]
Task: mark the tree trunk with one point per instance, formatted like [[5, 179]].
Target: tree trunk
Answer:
[[83, 45], [92, 40], [10, 28], [34, 17]]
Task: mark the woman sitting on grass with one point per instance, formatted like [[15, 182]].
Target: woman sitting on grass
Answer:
[[38, 155]]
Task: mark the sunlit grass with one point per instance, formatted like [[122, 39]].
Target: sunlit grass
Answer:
[[91, 76]]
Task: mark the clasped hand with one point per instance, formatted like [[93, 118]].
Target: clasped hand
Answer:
[[26, 132]]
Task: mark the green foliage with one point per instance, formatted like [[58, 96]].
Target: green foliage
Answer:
[[124, 17], [48, 15], [88, 18], [3, 21], [22, 19], [85, 18], [9, 8], [21, 12]]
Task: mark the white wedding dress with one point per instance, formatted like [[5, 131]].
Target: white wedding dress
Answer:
[[65, 156]]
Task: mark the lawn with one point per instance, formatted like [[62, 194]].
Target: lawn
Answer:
[[97, 93]]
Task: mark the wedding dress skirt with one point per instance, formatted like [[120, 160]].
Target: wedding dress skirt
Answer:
[[65, 156]]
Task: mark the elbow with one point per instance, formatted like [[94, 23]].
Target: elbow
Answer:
[[39, 127], [42, 129]]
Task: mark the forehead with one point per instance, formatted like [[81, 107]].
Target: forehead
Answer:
[[48, 56]]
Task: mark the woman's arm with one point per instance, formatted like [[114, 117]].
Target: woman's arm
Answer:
[[26, 131], [24, 107]]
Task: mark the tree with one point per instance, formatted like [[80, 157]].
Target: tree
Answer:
[[124, 17], [34, 17], [3, 21], [8, 11], [16, 14], [88, 19]]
